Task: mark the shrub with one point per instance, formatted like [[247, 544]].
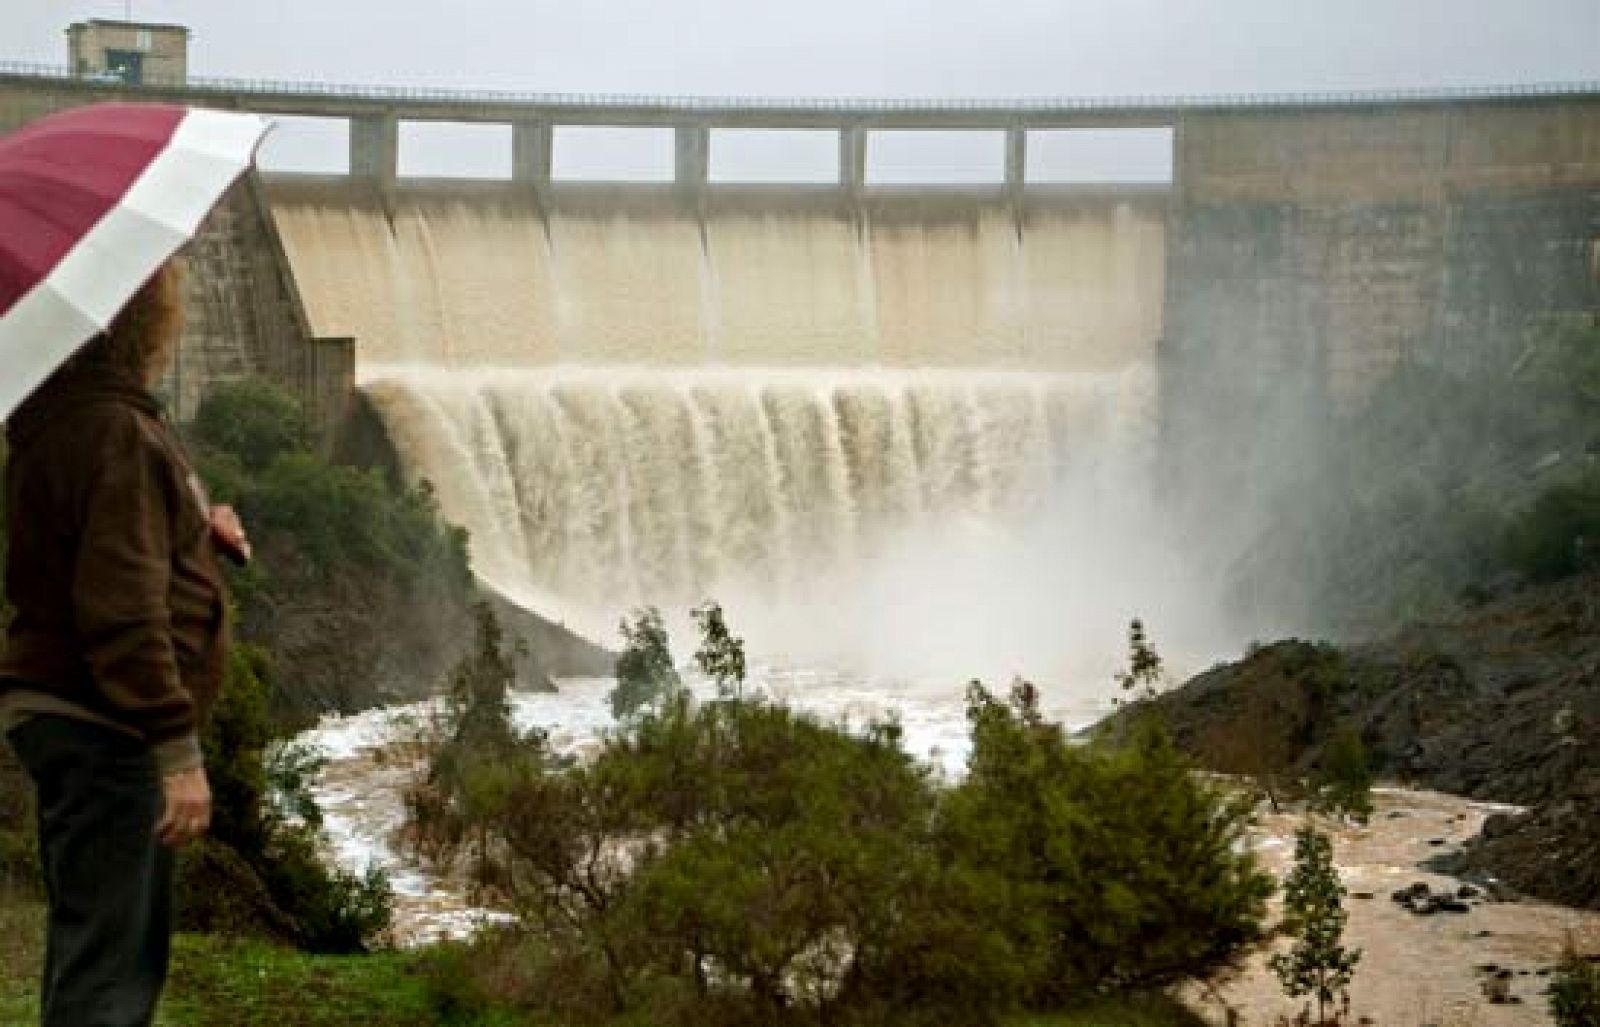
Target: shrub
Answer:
[[1575, 990], [358, 590], [261, 871], [646, 678], [474, 755], [738, 862], [1120, 868], [764, 863], [1343, 783], [253, 420], [1142, 680]]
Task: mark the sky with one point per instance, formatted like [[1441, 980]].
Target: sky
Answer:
[[879, 48]]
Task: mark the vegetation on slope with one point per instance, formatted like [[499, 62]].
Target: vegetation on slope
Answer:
[[1444, 486], [359, 592]]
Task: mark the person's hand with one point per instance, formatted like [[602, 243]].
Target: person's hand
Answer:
[[187, 811], [228, 530]]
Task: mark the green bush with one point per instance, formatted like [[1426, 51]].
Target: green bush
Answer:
[[646, 678], [739, 862], [474, 756], [253, 420], [776, 868], [261, 871], [1343, 782], [358, 590], [1120, 869], [1575, 990]]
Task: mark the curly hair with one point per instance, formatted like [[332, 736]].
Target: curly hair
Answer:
[[144, 334]]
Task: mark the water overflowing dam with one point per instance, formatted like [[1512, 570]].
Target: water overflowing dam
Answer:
[[458, 279], [774, 407]]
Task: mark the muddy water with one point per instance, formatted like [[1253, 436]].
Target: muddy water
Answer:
[[1415, 970]]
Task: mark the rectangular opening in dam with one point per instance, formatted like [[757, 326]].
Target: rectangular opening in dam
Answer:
[[603, 153], [450, 149], [756, 155], [917, 157], [1088, 156], [307, 146]]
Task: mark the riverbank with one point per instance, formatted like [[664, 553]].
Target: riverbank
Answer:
[[1417, 969], [1499, 702]]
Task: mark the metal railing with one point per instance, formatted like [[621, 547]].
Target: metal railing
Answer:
[[844, 106]]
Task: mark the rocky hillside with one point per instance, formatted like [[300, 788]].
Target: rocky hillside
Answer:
[[1499, 702]]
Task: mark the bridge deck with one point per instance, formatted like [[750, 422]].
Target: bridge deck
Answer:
[[427, 103]]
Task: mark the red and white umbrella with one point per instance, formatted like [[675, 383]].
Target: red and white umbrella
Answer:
[[92, 201]]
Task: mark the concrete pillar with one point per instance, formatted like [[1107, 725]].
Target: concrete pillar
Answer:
[[1016, 162], [375, 147], [530, 153], [852, 159], [692, 167]]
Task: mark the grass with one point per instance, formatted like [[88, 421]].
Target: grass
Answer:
[[218, 982]]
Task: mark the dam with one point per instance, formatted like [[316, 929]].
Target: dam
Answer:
[[799, 398], [631, 400]]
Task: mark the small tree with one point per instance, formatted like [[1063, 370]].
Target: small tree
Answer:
[[721, 654], [1344, 781], [646, 677], [1314, 916], [1575, 990], [1144, 675]]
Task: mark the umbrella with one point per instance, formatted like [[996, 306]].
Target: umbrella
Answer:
[[92, 201]]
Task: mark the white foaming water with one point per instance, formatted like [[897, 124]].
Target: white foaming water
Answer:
[[910, 441], [944, 524]]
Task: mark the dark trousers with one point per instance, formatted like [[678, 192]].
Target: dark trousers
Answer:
[[108, 879]]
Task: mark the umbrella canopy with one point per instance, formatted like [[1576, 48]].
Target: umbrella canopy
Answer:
[[92, 201]]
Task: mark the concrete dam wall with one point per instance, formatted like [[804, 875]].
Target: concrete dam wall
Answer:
[[456, 277]]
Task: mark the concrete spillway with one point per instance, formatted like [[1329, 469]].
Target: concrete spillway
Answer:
[[463, 279], [776, 408]]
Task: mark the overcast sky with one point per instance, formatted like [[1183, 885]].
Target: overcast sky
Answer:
[[977, 48]]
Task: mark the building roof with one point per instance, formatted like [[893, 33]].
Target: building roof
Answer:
[[79, 26]]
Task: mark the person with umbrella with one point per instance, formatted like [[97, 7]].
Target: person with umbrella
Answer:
[[118, 641]]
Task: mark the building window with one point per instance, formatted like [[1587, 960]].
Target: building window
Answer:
[[127, 65]]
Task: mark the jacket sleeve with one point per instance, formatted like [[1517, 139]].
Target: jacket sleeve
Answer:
[[126, 507]]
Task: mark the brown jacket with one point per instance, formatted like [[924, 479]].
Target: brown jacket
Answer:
[[121, 613]]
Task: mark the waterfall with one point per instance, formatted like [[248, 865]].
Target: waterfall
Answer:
[[590, 491], [925, 430]]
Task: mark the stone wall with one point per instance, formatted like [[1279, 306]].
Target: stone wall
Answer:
[[1345, 242], [1313, 252]]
